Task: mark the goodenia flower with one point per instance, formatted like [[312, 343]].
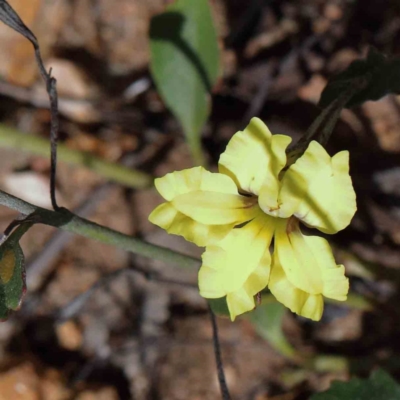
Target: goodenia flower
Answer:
[[252, 203]]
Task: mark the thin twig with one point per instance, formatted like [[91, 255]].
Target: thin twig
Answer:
[[322, 127], [218, 359], [12, 19], [52, 91]]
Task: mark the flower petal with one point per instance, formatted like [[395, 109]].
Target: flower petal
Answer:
[[242, 300], [227, 266], [308, 262], [202, 206], [296, 258], [193, 179], [254, 156], [305, 304], [167, 217], [318, 190], [205, 197], [336, 285], [216, 208], [239, 302]]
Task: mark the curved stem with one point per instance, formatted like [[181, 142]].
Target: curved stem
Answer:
[[67, 221], [322, 127]]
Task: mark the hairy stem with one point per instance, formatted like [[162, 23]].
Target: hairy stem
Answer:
[[67, 221]]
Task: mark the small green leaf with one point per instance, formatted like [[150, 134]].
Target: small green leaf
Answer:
[[219, 306], [185, 64], [12, 276], [379, 76], [267, 319], [12, 269], [379, 386]]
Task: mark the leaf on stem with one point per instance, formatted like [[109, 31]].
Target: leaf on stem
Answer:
[[382, 75], [12, 276], [185, 64], [12, 265]]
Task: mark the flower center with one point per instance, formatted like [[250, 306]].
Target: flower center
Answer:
[[292, 225], [250, 201]]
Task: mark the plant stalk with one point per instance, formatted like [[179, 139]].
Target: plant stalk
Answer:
[[67, 221]]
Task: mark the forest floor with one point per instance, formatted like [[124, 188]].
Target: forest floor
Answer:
[[93, 324]]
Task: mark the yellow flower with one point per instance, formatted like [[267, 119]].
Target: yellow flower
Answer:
[[237, 214]]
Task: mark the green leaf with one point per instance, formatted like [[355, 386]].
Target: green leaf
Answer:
[[185, 64], [377, 76], [219, 306], [12, 276], [12, 268], [378, 387], [267, 319]]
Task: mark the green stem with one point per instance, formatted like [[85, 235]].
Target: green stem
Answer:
[[14, 139], [322, 127], [67, 221], [196, 150]]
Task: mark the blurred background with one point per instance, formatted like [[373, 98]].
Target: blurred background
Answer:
[[99, 323]]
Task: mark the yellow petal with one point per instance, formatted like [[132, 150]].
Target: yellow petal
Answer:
[[208, 198], [258, 279], [335, 283], [242, 300], [298, 301], [216, 208], [296, 257], [167, 217], [239, 302], [308, 262], [227, 266], [318, 190], [254, 156], [203, 206], [193, 179]]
